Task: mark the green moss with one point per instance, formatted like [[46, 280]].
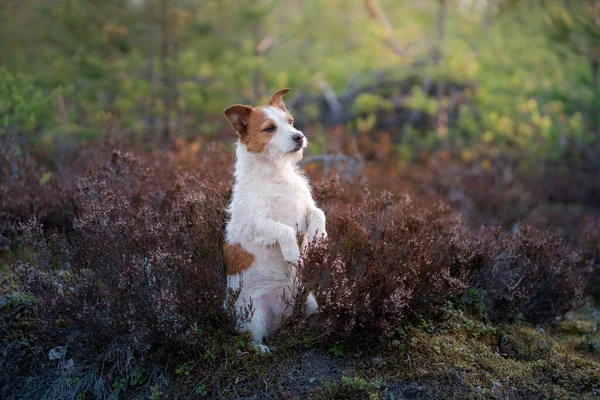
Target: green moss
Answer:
[[513, 362], [348, 388]]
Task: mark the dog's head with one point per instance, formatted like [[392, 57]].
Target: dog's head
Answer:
[[268, 130]]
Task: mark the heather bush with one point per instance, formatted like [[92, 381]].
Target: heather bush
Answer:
[[533, 274], [142, 266], [385, 259], [590, 248], [27, 189], [139, 272], [142, 263], [45, 186]]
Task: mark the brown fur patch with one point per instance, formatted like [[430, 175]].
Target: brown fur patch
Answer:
[[236, 258], [255, 138], [238, 116], [277, 99]]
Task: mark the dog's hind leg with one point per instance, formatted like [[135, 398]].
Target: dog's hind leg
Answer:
[[258, 326], [311, 305], [269, 310]]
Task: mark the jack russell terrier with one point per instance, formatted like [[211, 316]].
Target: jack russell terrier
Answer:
[[270, 206]]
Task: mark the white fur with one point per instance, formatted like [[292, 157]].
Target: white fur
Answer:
[[271, 203], [281, 143]]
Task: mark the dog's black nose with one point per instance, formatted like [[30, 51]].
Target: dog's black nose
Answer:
[[298, 137]]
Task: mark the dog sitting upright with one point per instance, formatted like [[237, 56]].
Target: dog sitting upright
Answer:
[[271, 204]]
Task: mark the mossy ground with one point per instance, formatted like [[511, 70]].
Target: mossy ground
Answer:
[[460, 357]]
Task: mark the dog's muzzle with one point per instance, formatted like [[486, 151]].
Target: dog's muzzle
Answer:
[[298, 139]]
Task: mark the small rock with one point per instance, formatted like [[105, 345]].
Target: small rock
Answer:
[[312, 380], [569, 316], [57, 353], [70, 364], [378, 362]]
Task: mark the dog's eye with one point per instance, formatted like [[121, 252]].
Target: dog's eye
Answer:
[[269, 128], [291, 121]]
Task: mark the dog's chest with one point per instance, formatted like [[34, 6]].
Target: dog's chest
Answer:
[[289, 204]]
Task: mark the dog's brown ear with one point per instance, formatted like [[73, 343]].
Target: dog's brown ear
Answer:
[[277, 99], [238, 116]]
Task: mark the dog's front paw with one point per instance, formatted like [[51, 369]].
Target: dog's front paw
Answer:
[[291, 253], [317, 233], [316, 226], [261, 348], [311, 305]]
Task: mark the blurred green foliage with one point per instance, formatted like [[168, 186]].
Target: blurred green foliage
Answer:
[[169, 67], [23, 107]]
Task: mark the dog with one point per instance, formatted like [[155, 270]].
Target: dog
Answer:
[[271, 205]]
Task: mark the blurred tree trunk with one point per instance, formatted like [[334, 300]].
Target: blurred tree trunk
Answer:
[[176, 95], [595, 51], [377, 13], [259, 85], [164, 62], [595, 58], [169, 84], [150, 109], [490, 10], [442, 114]]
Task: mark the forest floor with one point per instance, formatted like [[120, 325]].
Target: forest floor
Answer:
[[459, 357]]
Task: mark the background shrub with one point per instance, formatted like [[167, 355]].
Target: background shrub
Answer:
[[387, 259], [533, 274], [142, 266], [27, 189], [142, 263]]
